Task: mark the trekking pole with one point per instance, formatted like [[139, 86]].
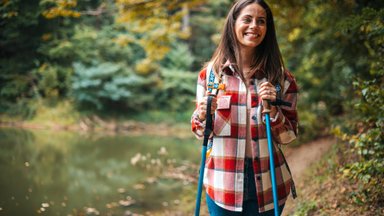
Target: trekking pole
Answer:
[[207, 133], [266, 111]]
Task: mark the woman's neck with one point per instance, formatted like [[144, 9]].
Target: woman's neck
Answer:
[[246, 61]]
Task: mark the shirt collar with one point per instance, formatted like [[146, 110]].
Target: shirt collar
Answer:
[[228, 68]]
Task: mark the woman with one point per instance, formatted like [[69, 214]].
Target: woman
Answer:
[[249, 64]]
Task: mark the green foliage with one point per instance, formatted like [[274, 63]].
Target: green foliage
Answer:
[[104, 85], [179, 58], [206, 25], [18, 44], [305, 208], [177, 89], [133, 56], [366, 136], [147, 54], [52, 80], [160, 116], [155, 24], [177, 86], [368, 144], [311, 125]]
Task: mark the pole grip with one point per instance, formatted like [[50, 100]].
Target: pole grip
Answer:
[[266, 106], [208, 123]]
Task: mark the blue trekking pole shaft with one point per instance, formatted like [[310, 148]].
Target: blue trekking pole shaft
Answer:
[[266, 112], [207, 133]]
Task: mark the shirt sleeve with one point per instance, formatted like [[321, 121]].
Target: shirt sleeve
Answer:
[[284, 125], [198, 126]]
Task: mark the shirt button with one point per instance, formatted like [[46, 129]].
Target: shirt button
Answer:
[[258, 178], [254, 117]]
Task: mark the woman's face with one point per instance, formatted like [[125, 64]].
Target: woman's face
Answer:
[[251, 26]]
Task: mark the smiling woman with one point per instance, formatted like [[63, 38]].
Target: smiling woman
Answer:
[[248, 63], [251, 27]]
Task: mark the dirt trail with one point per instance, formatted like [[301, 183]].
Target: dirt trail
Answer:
[[299, 159]]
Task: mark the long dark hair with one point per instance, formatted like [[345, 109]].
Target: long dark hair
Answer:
[[267, 58]]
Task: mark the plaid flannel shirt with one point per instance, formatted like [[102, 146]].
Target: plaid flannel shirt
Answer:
[[224, 168]]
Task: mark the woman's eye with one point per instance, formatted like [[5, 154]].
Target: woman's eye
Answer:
[[260, 22], [247, 20]]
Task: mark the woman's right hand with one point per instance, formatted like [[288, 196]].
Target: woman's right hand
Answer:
[[203, 107]]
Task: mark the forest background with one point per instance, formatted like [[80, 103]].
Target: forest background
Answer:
[[68, 60]]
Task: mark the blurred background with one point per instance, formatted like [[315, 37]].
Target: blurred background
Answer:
[[96, 98]]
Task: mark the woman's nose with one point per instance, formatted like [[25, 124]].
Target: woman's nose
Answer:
[[253, 24]]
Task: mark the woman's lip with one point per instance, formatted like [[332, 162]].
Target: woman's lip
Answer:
[[251, 34]]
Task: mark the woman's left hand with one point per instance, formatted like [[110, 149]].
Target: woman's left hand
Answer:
[[268, 92]]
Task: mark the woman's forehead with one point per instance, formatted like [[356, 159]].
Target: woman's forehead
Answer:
[[253, 9]]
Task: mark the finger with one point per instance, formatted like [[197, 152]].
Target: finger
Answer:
[[268, 84], [267, 92], [269, 87]]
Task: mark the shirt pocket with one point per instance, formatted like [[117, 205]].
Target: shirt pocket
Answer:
[[222, 123]]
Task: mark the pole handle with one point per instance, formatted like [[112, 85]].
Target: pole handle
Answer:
[[208, 124], [266, 106]]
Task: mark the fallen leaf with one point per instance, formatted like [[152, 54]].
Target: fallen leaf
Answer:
[[121, 190], [138, 186]]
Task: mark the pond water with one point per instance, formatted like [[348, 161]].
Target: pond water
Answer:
[[63, 173]]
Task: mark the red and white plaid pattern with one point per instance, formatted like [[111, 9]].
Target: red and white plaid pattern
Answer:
[[224, 168]]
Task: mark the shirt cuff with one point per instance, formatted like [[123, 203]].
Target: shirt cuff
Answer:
[[277, 120], [274, 119], [198, 126]]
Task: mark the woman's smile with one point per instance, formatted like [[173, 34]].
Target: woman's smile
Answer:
[[252, 35]]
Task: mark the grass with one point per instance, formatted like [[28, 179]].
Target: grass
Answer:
[[63, 113], [162, 116], [305, 208]]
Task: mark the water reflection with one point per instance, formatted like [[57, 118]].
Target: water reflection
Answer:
[[61, 173]]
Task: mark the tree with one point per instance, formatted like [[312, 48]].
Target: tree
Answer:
[[155, 25], [21, 32]]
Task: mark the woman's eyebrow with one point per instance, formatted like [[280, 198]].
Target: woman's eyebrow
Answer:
[[259, 17]]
